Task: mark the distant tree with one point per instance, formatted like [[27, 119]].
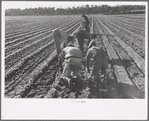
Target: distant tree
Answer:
[[86, 9]]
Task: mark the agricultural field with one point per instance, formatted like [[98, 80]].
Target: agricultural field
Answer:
[[31, 64]]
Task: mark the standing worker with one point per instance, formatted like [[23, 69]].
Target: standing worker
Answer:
[[72, 59], [100, 60], [86, 23]]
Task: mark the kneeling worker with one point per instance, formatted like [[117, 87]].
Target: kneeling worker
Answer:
[[72, 59]]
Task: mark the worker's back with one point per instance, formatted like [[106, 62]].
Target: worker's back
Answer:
[[72, 52], [97, 54], [100, 60], [71, 56]]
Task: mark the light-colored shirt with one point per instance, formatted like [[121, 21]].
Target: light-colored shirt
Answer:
[[70, 51]]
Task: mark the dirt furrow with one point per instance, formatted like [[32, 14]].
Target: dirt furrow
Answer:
[[10, 33], [26, 69], [130, 41], [46, 83], [134, 23], [130, 33], [46, 21], [16, 82], [134, 72], [129, 27], [15, 39], [133, 17], [130, 68], [136, 58], [19, 43], [39, 76], [20, 64], [13, 58]]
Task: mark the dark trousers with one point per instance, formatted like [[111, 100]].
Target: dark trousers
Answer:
[[81, 35]]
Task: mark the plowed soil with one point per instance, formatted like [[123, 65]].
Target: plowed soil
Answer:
[[39, 77]]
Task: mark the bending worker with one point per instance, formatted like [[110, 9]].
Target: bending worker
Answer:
[[59, 36], [100, 60], [72, 59]]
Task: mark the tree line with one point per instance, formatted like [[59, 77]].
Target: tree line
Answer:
[[85, 9]]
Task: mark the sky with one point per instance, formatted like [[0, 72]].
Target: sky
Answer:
[[61, 4]]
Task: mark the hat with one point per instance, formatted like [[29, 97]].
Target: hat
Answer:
[[93, 42]]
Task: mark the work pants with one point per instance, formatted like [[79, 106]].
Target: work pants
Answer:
[[97, 68], [87, 28], [81, 35], [71, 65]]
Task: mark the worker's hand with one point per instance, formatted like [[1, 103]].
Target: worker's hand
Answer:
[[88, 75]]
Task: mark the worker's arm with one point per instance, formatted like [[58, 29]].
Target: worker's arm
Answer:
[[88, 57], [62, 55], [82, 25], [61, 59]]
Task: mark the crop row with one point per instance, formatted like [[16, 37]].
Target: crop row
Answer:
[[35, 76], [120, 62], [125, 84], [35, 53], [129, 60], [131, 16], [129, 40], [140, 32], [35, 28], [137, 59], [135, 23], [127, 66], [130, 33], [22, 53], [35, 71], [25, 35], [19, 43]]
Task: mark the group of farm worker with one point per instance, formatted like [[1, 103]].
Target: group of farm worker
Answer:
[[71, 58]]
